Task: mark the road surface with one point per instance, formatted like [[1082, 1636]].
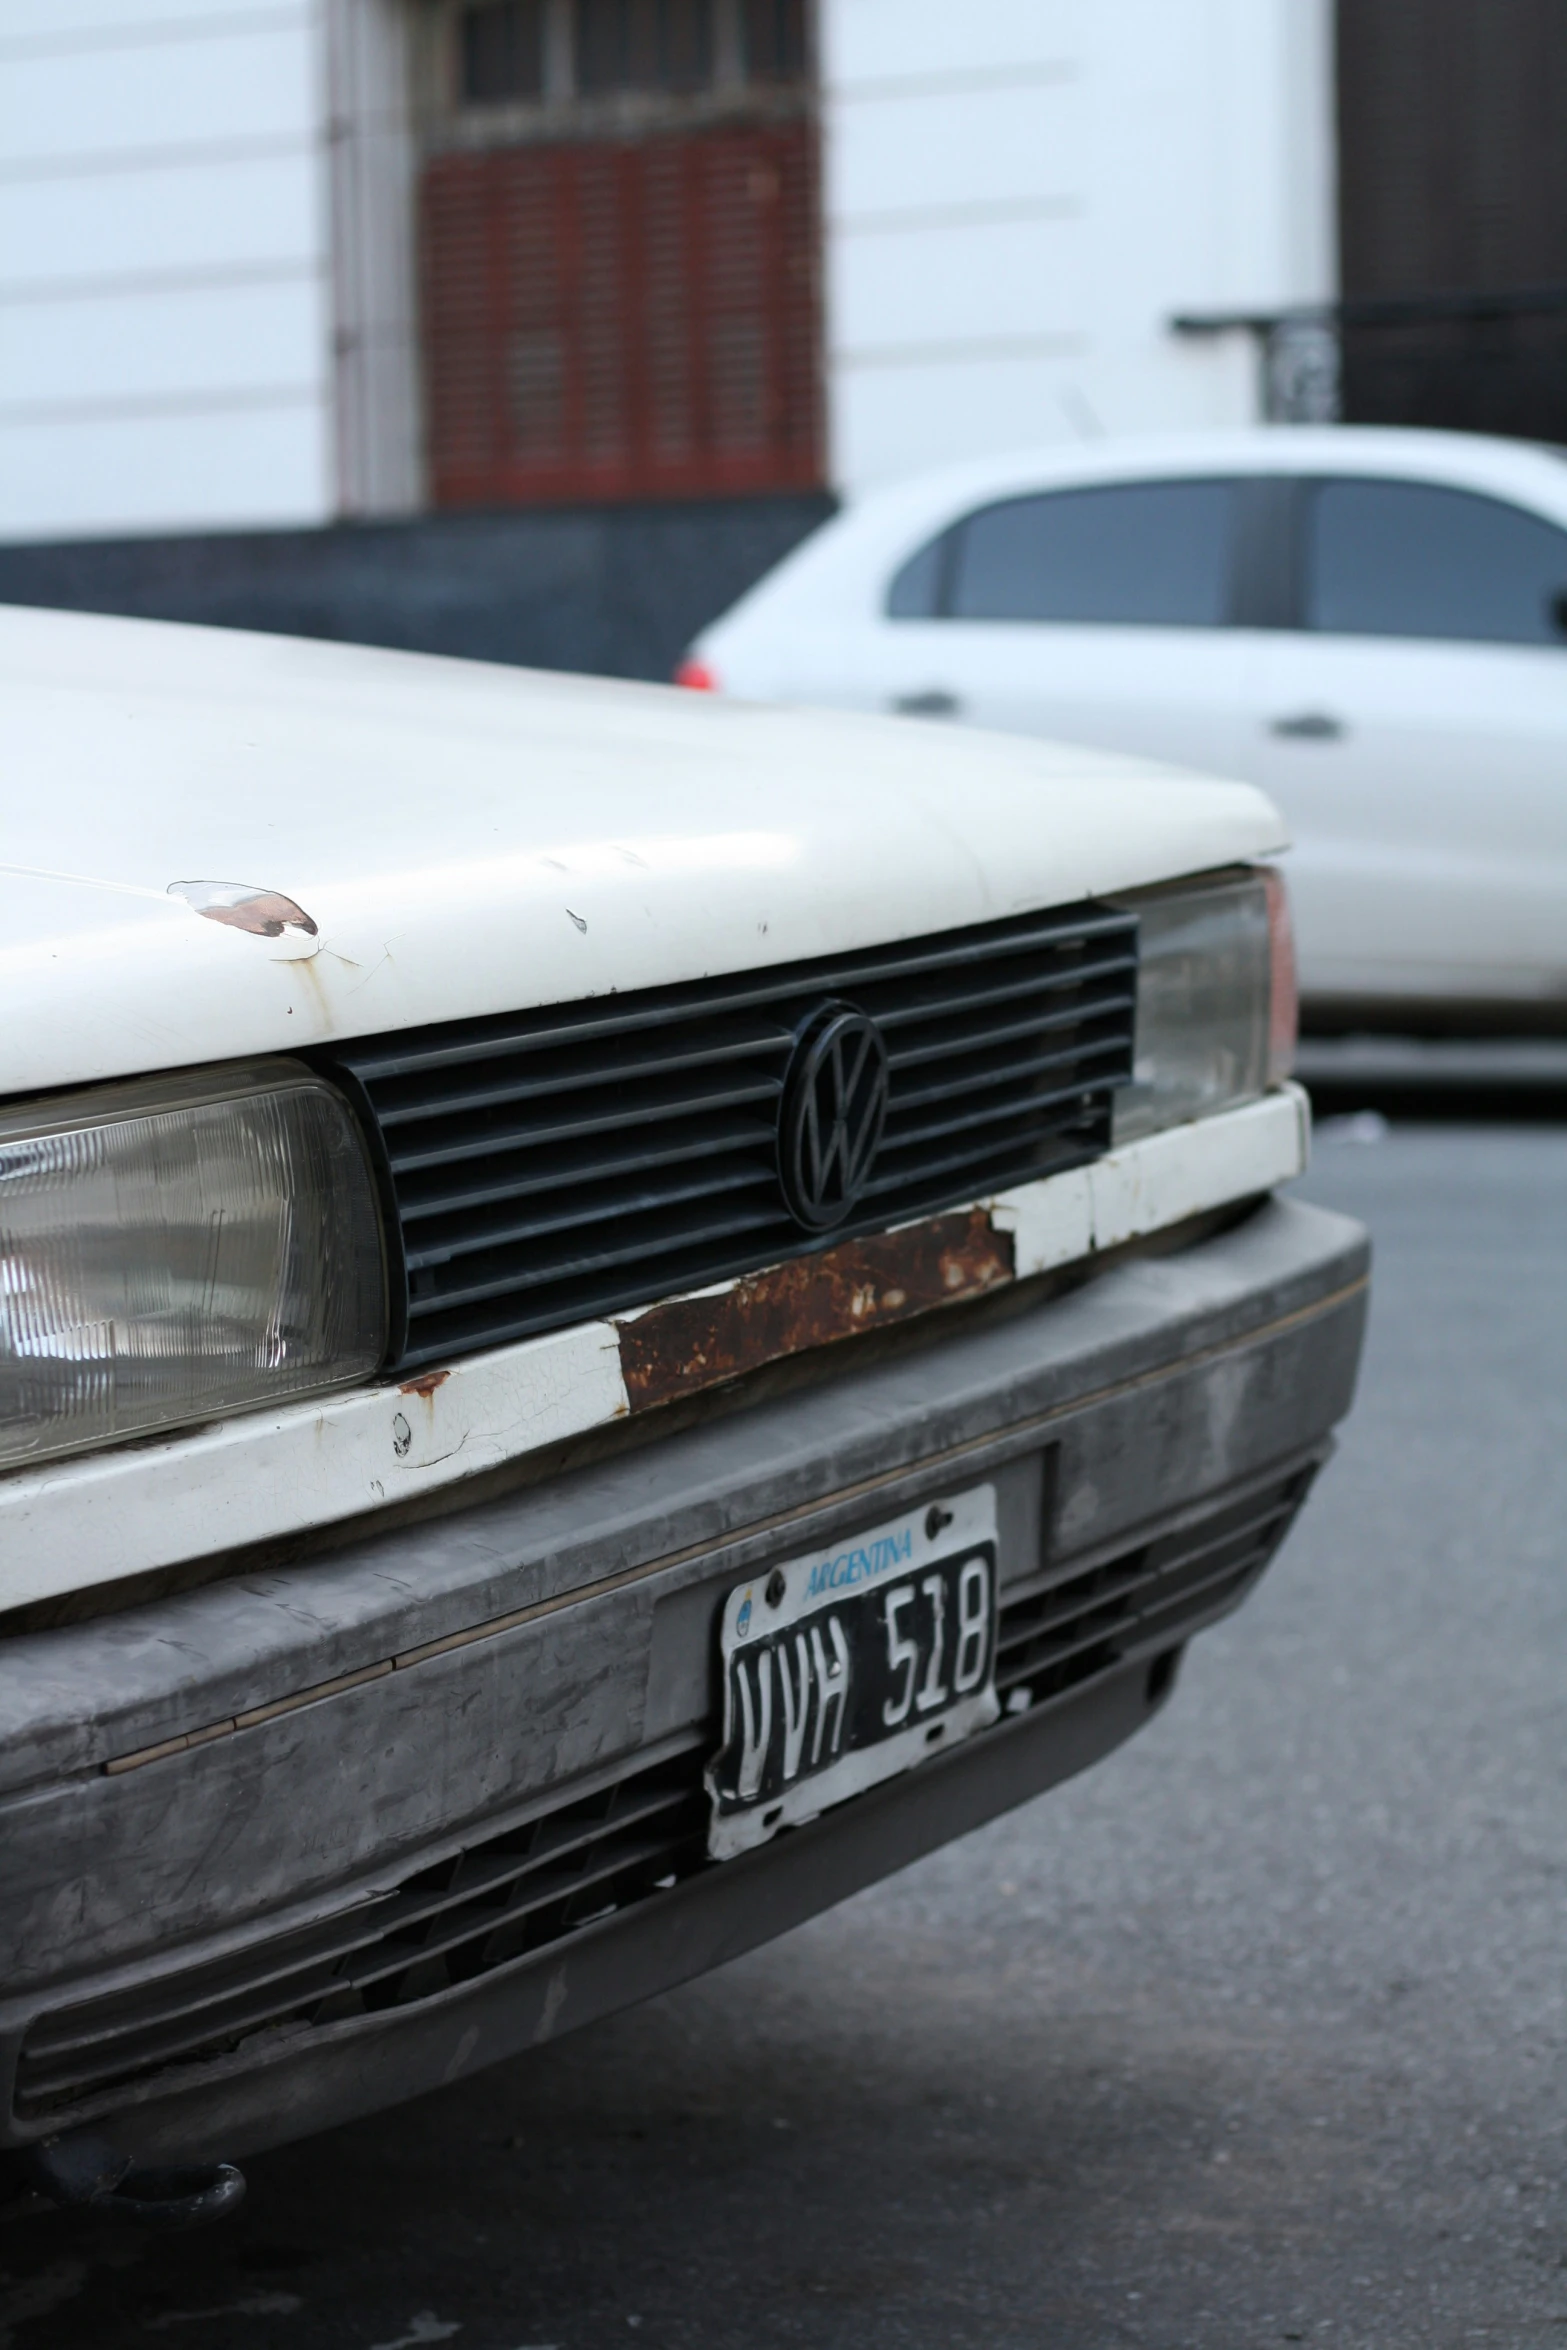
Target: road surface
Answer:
[[1253, 2036]]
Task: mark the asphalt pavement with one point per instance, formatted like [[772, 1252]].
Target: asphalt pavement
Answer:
[[1254, 2035]]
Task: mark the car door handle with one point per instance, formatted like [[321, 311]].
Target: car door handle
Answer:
[[934, 702], [1310, 726]]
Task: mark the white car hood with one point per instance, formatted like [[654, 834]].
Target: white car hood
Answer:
[[470, 839]]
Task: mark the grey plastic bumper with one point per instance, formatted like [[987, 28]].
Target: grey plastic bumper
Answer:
[[185, 1786]]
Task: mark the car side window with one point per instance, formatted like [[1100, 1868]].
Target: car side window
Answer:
[[1414, 559], [1136, 554], [916, 590]]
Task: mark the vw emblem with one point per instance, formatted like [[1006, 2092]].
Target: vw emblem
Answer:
[[834, 1108]]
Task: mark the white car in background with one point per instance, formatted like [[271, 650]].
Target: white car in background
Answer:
[[1370, 624]]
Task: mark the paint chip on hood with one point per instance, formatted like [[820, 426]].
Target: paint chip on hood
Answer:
[[264, 912]]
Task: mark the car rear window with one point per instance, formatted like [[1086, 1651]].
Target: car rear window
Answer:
[[1402, 558], [1133, 554]]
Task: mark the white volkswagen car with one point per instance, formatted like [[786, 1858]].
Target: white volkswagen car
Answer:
[[1372, 625], [618, 1314]]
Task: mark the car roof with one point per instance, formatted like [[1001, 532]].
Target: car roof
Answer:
[[844, 566], [1527, 469]]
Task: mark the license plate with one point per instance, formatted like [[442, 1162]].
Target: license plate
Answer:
[[847, 1665]]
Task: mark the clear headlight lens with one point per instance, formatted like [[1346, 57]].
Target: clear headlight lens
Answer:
[[1215, 1000], [181, 1248]]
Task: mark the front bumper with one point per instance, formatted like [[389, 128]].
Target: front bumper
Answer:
[[296, 1846]]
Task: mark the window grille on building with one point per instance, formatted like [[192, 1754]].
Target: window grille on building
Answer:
[[622, 304], [644, 45], [501, 52], [774, 40]]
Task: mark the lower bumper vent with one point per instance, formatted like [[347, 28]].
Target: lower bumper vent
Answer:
[[1058, 1634], [543, 1882]]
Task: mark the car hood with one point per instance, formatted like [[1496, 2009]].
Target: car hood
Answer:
[[465, 839]]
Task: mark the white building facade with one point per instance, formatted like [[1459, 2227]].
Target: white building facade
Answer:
[[214, 314], [166, 350], [1020, 194]]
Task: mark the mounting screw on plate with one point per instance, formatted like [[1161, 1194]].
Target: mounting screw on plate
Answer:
[[776, 1587], [935, 1518]]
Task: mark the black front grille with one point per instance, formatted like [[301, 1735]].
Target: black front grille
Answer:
[[550, 1167], [531, 1886]]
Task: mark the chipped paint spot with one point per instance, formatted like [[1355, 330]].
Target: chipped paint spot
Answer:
[[693, 1342], [265, 913], [426, 1385]]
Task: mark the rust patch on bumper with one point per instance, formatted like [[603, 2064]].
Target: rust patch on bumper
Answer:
[[693, 1342]]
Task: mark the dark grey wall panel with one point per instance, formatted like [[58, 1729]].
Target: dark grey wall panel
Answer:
[[1453, 181], [617, 590]]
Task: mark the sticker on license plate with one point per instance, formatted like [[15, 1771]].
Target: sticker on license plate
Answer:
[[847, 1665]]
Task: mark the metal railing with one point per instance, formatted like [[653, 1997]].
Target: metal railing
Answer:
[[1301, 349]]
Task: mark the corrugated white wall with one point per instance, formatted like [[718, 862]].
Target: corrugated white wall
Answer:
[[165, 351], [1020, 192]]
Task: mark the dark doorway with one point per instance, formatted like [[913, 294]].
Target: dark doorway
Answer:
[[1453, 183]]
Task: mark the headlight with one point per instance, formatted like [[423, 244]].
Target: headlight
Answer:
[[1215, 1000], [180, 1248]]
